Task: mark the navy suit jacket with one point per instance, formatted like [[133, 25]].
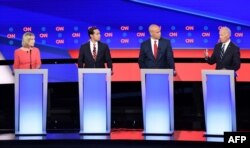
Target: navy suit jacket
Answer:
[[164, 60], [230, 60], [86, 59]]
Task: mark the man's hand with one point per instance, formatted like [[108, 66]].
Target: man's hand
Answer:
[[175, 73], [206, 53]]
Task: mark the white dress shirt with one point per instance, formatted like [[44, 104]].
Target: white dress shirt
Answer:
[[226, 45], [92, 47]]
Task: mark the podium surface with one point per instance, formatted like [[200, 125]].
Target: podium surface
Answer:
[[95, 100], [30, 101], [157, 101], [219, 101]]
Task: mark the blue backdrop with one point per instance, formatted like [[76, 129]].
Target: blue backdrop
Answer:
[[62, 25]]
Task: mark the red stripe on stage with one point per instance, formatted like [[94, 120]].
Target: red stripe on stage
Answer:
[[178, 53], [185, 71], [126, 134]]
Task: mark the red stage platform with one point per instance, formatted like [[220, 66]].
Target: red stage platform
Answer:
[[118, 138]]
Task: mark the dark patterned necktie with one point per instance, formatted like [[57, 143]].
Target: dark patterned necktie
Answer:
[[94, 52], [222, 51]]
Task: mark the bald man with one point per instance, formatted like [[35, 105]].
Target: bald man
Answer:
[[226, 54], [156, 52]]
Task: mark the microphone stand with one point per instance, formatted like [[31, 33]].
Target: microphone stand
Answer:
[[30, 60]]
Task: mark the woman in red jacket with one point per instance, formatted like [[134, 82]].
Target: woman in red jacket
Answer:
[[28, 56]]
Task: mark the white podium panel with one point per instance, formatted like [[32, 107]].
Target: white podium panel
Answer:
[[30, 101], [219, 101], [95, 100], [157, 99]]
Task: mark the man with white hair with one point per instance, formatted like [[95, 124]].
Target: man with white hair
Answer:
[[226, 54], [156, 52]]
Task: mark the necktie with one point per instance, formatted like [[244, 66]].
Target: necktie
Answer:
[[155, 49], [94, 52], [222, 51]]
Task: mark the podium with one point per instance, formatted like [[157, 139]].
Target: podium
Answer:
[[219, 101], [30, 101], [95, 100], [157, 101]]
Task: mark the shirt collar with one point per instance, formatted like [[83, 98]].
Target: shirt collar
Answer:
[[227, 43]]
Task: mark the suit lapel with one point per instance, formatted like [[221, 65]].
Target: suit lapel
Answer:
[[151, 50], [98, 51], [227, 51], [89, 52], [159, 49]]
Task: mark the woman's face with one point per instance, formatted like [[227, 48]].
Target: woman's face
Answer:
[[31, 42]]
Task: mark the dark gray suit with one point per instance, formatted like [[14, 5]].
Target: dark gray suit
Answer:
[[86, 58], [230, 60], [164, 58]]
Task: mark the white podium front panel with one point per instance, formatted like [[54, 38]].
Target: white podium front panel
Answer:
[[157, 95], [219, 101], [94, 95], [30, 101]]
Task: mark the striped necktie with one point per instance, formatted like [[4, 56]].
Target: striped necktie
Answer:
[[94, 52], [222, 51]]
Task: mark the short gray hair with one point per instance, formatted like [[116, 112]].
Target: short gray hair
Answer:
[[227, 29]]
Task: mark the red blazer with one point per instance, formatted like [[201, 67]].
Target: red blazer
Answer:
[[27, 59]]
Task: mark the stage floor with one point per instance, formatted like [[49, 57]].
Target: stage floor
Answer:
[[117, 138]]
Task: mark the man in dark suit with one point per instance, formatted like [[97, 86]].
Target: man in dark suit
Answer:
[[226, 54], [156, 52], [94, 54]]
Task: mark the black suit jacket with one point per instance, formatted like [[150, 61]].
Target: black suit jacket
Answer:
[[164, 58], [86, 59], [230, 60]]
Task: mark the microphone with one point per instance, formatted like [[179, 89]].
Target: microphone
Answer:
[[29, 51]]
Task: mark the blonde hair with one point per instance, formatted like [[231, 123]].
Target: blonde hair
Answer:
[[26, 38]]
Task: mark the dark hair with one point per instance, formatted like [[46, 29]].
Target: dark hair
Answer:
[[91, 30]]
